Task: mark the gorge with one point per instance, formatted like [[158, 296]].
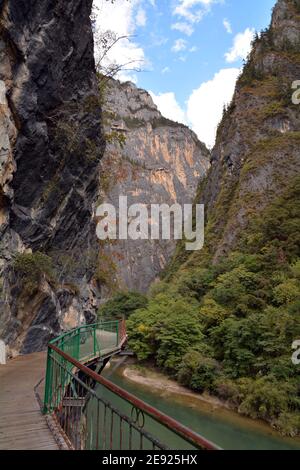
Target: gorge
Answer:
[[221, 320], [56, 169]]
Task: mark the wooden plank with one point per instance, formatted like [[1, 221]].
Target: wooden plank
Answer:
[[22, 426], [29, 431], [12, 424], [25, 447]]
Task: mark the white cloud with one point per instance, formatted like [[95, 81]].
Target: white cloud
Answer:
[[165, 70], [141, 18], [227, 26], [193, 49], [205, 105], [157, 40], [168, 106], [241, 46], [121, 18], [192, 10], [179, 45], [183, 27]]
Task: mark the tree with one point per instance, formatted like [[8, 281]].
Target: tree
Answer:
[[198, 372], [104, 43], [123, 304], [164, 331]]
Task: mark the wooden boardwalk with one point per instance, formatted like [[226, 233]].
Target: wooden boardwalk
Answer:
[[22, 425]]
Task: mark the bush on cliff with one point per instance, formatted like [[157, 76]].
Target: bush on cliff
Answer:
[[30, 268]]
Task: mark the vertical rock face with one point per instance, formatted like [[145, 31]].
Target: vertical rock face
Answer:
[[50, 147], [161, 162], [257, 152]]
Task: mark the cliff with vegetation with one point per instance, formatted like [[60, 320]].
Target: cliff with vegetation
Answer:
[[51, 144], [54, 272], [223, 319], [151, 160]]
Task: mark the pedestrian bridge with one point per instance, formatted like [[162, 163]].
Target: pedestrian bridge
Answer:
[[87, 411]]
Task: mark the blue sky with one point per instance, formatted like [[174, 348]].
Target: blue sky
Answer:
[[191, 51]]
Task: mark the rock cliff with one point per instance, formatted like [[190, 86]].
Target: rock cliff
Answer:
[[52, 275], [51, 143], [159, 162]]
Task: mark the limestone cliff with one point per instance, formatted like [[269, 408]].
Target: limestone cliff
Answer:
[[50, 143], [159, 162]]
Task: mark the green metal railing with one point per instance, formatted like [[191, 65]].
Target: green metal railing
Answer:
[[82, 344], [94, 413], [89, 341]]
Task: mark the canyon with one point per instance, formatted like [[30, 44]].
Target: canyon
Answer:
[[58, 162]]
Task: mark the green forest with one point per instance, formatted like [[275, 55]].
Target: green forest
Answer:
[[227, 327]]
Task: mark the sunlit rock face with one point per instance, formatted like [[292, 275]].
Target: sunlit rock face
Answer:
[[257, 152], [49, 177], [161, 162]]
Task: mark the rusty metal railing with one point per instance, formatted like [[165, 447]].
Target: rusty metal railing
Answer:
[[96, 414]]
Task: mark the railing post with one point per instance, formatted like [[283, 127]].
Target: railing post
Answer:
[[117, 333], [48, 383], [78, 344], [95, 339], [2, 353]]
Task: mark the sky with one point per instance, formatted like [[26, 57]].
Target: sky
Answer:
[[189, 52]]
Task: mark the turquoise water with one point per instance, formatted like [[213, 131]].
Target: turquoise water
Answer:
[[227, 430]]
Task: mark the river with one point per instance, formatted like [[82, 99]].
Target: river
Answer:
[[225, 428]]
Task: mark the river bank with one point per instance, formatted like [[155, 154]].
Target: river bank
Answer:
[[150, 379], [160, 382]]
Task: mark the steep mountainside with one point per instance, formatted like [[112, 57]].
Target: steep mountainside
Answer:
[[52, 275], [225, 318], [159, 162], [51, 144], [257, 150]]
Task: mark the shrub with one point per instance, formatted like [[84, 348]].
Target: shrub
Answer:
[[30, 268], [123, 304], [198, 372], [227, 389], [141, 334], [287, 292], [265, 398], [211, 313], [295, 268], [196, 283], [288, 424], [165, 330]]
